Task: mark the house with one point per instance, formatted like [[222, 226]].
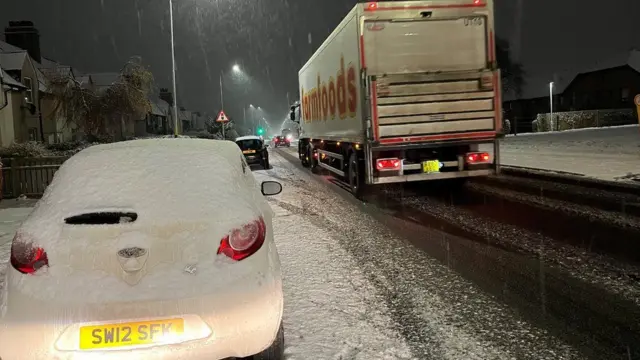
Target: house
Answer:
[[27, 122], [11, 99], [38, 118], [157, 121], [604, 85], [23, 38]]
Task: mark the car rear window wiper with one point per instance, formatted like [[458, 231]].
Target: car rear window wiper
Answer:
[[102, 218]]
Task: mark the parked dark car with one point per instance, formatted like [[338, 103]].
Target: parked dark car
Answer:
[[254, 150], [281, 141]]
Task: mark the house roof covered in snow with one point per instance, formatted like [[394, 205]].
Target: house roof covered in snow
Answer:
[[13, 60], [9, 81], [5, 46], [159, 107], [537, 86], [104, 79]]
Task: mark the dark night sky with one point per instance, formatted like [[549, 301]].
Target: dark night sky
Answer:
[[271, 41]]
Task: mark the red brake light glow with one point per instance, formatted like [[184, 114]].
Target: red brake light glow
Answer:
[[388, 164], [472, 158], [244, 242], [27, 258], [372, 5]]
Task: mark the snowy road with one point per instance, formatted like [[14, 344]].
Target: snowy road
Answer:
[[436, 313]]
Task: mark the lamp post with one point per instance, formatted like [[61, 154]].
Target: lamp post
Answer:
[[551, 103], [173, 72], [235, 68]]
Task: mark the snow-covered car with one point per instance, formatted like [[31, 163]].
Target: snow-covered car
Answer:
[[254, 150], [147, 249]]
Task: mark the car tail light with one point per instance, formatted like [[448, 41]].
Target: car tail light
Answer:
[[244, 242], [26, 257], [474, 158], [388, 164]]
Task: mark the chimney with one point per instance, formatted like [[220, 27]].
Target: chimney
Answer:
[[166, 95], [25, 36]]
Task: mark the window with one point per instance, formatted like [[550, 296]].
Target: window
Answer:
[[29, 94], [624, 95], [250, 144], [33, 134]]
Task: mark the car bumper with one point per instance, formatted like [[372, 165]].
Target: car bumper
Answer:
[[237, 322], [253, 159]]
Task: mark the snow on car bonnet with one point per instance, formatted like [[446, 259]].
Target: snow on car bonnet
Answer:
[[160, 180]]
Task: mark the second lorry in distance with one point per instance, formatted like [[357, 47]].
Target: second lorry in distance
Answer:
[[403, 91]]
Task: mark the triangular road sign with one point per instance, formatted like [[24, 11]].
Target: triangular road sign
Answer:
[[222, 117]]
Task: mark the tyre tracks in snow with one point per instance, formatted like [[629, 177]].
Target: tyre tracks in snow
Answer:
[[441, 314], [535, 254]]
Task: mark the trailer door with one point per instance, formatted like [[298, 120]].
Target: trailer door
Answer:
[[425, 45]]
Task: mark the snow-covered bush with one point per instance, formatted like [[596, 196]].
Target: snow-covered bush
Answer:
[[506, 126], [68, 150], [583, 119], [28, 149]]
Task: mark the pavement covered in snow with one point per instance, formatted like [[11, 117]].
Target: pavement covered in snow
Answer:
[[606, 153]]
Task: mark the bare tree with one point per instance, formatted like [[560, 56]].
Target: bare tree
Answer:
[[512, 71], [101, 112]]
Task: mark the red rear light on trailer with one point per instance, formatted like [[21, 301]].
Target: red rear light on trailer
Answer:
[[26, 257], [479, 157], [388, 164], [372, 5], [245, 241]]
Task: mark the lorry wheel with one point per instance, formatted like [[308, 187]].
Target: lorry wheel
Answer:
[[304, 156], [355, 175], [313, 163]]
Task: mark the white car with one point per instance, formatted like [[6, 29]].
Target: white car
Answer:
[[147, 249]]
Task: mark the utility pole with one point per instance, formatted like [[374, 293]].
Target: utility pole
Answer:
[[173, 73], [222, 106]]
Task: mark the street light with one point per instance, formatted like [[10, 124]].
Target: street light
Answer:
[[235, 68], [551, 103]]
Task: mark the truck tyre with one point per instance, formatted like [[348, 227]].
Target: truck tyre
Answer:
[[355, 176], [313, 163], [303, 156]]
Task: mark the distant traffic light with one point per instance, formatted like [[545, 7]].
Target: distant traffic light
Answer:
[[260, 131]]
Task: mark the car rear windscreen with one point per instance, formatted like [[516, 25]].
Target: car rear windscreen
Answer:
[[249, 144]]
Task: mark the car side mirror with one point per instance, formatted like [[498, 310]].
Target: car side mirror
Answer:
[[270, 188], [266, 145]]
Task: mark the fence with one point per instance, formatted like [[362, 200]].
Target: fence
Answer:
[[28, 176]]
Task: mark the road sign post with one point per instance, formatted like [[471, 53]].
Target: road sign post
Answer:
[[223, 119]]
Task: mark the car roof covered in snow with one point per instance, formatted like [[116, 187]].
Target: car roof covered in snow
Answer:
[[248, 137], [160, 179]]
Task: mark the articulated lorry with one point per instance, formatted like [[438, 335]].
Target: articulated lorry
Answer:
[[403, 91]]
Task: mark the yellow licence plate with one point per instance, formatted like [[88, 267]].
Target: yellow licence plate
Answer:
[[130, 334], [249, 152], [431, 166]]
